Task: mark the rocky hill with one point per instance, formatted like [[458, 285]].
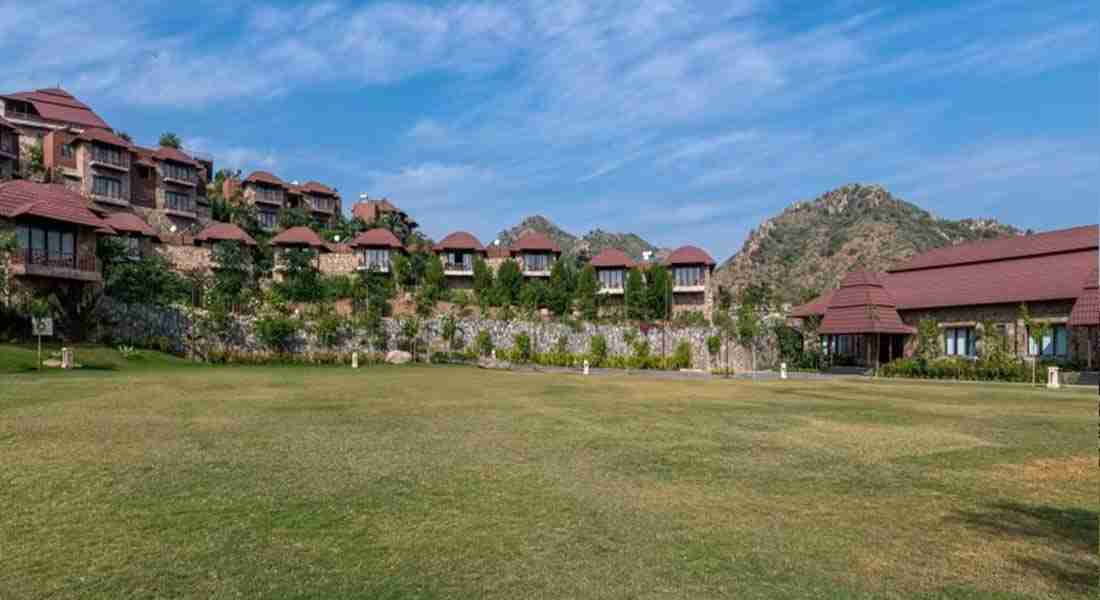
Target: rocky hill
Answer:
[[812, 245], [590, 244]]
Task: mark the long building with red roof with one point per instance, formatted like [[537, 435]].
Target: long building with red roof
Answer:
[[967, 287]]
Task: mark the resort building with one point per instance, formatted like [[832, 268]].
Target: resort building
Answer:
[[321, 202], [135, 235], [536, 254], [36, 113], [296, 238], [963, 289], [375, 248], [458, 251], [373, 211], [690, 269], [612, 267], [9, 150], [55, 232], [189, 254], [268, 194]]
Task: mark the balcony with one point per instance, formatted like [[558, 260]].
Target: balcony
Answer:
[[12, 114], [103, 162], [40, 263], [458, 269], [612, 291], [376, 267], [112, 200], [689, 287], [184, 181]]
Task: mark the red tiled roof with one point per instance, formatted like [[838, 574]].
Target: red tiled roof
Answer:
[[124, 222], [48, 201], [1047, 266], [377, 237], [55, 104], [459, 240], [815, 307], [265, 178], [224, 232], [104, 136], [1052, 242], [174, 155], [611, 258], [369, 211], [689, 255], [535, 241], [1086, 311], [314, 187], [862, 305], [298, 236]]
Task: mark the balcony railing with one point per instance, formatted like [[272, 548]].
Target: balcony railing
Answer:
[[43, 262], [114, 162], [453, 268], [13, 113]]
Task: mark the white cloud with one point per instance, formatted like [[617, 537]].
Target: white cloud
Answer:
[[232, 156]]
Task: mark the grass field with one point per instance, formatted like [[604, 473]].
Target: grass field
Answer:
[[449, 482]]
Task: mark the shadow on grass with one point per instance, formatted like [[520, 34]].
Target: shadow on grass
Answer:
[[1070, 532]]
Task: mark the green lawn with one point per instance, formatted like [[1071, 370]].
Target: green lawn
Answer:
[[450, 482]]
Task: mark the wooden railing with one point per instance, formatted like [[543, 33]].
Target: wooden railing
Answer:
[[42, 258]]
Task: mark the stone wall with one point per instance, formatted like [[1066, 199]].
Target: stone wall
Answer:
[[176, 328], [1054, 312], [186, 258], [337, 263]]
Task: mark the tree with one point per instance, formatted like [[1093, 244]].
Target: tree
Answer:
[[402, 270], [928, 340], [483, 284], [8, 246], [748, 328], [634, 296], [232, 276], [657, 292], [125, 136], [147, 280], [509, 283], [434, 283], [373, 293], [295, 217], [757, 294], [301, 280], [714, 346], [533, 295], [36, 161], [587, 293], [1037, 331], [170, 140], [728, 329], [559, 293]]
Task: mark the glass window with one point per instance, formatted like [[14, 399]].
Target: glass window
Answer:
[[268, 219], [1055, 342], [22, 235], [375, 259], [611, 279], [177, 201], [536, 262], [688, 276], [107, 187], [107, 154], [959, 341]]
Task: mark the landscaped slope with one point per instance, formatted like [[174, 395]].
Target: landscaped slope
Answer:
[[812, 245]]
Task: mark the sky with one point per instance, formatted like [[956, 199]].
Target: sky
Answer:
[[684, 122]]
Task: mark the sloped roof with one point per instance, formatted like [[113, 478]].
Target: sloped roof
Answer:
[[815, 307], [298, 236], [124, 222], [224, 232], [497, 252], [1086, 311], [104, 136], [368, 211], [52, 201], [1048, 266], [862, 305], [1052, 242], [534, 241], [174, 155], [314, 187], [459, 240], [55, 104], [689, 255], [612, 258], [377, 237], [265, 178]]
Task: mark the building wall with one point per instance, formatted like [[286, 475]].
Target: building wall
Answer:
[[249, 194], [53, 145], [338, 264], [87, 172], [8, 168], [186, 258], [695, 301], [1054, 312]]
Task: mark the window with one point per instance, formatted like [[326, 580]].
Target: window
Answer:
[[458, 261], [269, 195], [67, 151], [107, 154], [322, 203], [688, 276], [959, 341], [179, 172], [132, 244], [267, 218], [536, 262], [107, 187], [177, 201], [611, 279], [44, 245], [374, 259], [843, 345], [9, 143], [1055, 342]]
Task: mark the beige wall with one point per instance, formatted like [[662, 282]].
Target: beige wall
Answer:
[[338, 264]]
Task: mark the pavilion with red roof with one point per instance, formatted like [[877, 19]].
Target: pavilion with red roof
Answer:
[[965, 287]]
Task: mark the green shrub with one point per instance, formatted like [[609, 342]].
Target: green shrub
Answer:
[[641, 358], [597, 350], [690, 318], [277, 332], [681, 356], [521, 353], [484, 342]]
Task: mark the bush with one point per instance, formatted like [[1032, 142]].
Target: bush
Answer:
[[690, 318], [277, 332], [714, 346], [959, 369], [641, 358], [484, 343], [597, 350], [681, 356], [521, 353]]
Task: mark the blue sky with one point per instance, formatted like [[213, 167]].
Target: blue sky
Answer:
[[681, 121]]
